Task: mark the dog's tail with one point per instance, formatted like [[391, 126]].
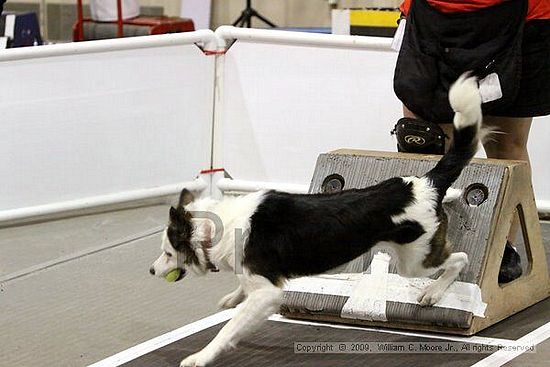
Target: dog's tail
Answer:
[[466, 102]]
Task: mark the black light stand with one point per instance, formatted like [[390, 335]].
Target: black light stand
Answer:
[[245, 20]]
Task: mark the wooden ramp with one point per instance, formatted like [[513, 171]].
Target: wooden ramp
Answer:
[[495, 191]]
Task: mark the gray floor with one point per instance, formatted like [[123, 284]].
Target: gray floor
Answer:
[[66, 308], [76, 291]]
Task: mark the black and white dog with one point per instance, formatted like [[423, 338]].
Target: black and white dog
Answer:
[[292, 235]]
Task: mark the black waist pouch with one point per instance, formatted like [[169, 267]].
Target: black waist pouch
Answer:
[[438, 47]]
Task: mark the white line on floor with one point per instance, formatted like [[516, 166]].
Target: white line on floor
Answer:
[[165, 339], [77, 255], [466, 339], [506, 355]]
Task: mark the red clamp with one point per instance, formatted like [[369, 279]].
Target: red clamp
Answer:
[[210, 52], [211, 171]]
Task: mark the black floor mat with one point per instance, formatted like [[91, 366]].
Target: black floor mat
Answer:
[[273, 345]]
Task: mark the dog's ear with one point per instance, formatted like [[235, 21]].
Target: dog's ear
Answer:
[[179, 215], [186, 197], [173, 215]]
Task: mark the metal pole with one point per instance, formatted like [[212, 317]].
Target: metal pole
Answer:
[[43, 19], [120, 25], [80, 23]]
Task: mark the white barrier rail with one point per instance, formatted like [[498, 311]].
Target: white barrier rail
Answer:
[[205, 37], [225, 33], [8, 217], [231, 185]]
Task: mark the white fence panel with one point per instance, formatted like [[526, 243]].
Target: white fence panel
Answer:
[[103, 118], [285, 104], [287, 97]]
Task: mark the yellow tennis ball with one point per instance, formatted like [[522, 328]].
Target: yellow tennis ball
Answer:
[[172, 275]]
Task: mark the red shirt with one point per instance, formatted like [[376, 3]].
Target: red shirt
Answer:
[[537, 9]]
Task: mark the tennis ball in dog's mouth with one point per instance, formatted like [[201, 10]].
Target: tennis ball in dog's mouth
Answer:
[[173, 275]]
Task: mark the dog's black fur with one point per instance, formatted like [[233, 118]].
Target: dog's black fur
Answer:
[[287, 231]]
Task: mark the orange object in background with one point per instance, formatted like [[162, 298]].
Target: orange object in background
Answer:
[[84, 28]]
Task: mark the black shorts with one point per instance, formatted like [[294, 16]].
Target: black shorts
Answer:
[[533, 98]]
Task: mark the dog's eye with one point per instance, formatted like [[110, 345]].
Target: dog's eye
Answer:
[[168, 254]]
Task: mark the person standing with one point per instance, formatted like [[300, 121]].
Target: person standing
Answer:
[[506, 44]]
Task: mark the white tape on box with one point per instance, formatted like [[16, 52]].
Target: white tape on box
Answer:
[[368, 298], [324, 285], [364, 292]]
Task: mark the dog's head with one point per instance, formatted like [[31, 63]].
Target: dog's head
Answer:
[[179, 249]]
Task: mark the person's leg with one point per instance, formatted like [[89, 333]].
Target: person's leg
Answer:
[[508, 142], [510, 139]]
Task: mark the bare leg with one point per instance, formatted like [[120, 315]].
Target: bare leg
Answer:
[[263, 300], [509, 143]]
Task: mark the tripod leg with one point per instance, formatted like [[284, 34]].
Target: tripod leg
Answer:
[[240, 19], [263, 19]]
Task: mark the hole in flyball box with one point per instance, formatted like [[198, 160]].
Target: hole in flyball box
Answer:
[[333, 183], [476, 194]]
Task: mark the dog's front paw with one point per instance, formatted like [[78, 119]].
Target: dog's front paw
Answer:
[[430, 295], [229, 301], [199, 359], [226, 302]]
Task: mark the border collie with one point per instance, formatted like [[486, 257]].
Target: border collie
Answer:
[[292, 235]]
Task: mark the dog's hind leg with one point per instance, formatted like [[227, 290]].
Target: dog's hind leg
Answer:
[[420, 260], [263, 300], [452, 267], [232, 299], [438, 257]]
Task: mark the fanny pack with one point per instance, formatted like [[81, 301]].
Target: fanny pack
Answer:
[[438, 47], [419, 136]]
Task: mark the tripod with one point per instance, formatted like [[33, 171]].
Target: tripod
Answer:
[[247, 15]]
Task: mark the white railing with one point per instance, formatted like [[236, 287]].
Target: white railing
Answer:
[[13, 216], [228, 33], [206, 38]]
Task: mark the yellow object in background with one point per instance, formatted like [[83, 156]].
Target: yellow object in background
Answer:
[[374, 18], [365, 22]]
